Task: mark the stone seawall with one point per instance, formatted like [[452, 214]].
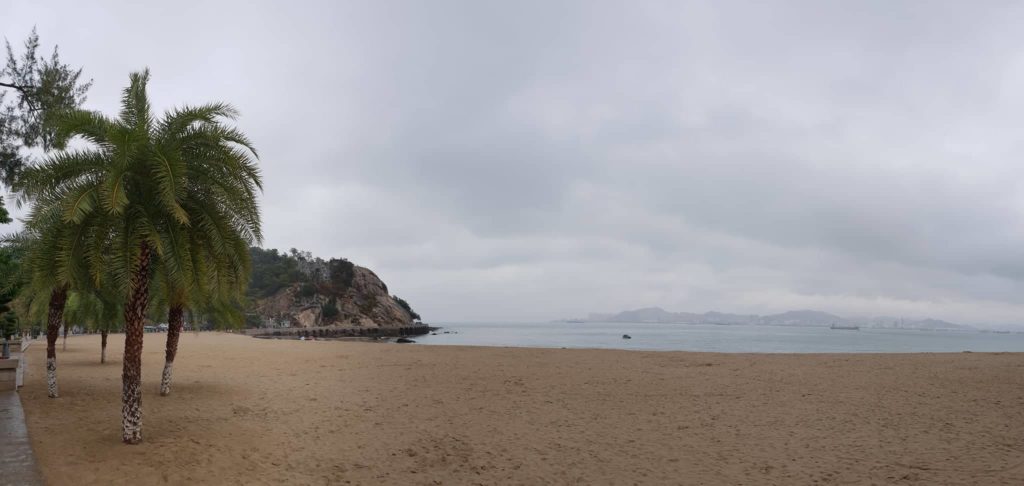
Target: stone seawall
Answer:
[[344, 332]]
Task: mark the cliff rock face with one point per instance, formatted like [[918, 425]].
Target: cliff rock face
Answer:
[[336, 295]]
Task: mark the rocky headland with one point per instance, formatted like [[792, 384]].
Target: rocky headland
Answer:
[[297, 291]]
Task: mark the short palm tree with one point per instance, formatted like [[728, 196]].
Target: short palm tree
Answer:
[[53, 262], [215, 260], [220, 278], [97, 309], [132, 184]]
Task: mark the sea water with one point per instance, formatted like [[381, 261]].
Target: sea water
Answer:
[[716, 338]]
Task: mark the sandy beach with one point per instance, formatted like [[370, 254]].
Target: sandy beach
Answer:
[[248, 411]]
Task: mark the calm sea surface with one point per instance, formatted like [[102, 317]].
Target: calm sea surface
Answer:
[[727, 339]]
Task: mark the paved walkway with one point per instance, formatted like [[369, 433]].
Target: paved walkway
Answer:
[[17, 463]]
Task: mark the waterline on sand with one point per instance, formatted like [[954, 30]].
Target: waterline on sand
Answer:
[[719, 339]]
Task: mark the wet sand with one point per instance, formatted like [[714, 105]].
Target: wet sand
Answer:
[[250, 411]]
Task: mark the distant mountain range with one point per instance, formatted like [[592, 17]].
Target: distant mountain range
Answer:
[[803, 318]]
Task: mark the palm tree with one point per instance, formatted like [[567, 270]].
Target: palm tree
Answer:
[[52, 263], [71, 314], [132, 183], [219, 260], [202, 302], [96, 309]]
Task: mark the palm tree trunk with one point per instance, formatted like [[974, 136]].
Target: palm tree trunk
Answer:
[[64, 344], [58, 297], [174, 322], [103, 346], [131, 376]]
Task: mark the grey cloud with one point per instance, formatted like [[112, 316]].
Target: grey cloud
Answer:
[[543, 159]]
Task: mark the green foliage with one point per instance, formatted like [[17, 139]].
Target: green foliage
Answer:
[[183, 185], [302, 256], [35, 92], [330, 310], [253, 319], [8, 325], [95, 309], [218, 314], [41, 91], [271, 272], [9, 285], [341, 273], [307, 290], [405, 305]]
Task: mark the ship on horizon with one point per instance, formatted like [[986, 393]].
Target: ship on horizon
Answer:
[[840, 327]]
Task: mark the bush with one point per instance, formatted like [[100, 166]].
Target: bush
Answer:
[[405, 305], [307, 290], [253, 320], [271, 272], [330, 310], [341, 274]]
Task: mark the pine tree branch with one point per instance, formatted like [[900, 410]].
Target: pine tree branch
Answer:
[[24, 88], [28, 91]]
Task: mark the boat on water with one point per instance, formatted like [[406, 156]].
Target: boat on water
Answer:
[[840, 327]]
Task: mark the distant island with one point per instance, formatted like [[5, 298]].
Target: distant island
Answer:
[[800, 318]]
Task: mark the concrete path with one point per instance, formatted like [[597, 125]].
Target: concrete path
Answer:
[[17, 463]]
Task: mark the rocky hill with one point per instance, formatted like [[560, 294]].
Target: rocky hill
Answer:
[[298, 290]]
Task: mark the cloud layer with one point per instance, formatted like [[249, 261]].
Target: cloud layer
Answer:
[[546, 159]]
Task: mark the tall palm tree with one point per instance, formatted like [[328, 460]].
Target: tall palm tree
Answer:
[[132, 183]]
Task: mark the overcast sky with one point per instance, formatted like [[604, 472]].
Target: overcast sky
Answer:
[[538, 160]]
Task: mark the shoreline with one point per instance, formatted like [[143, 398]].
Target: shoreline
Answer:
[[729, 339], [284, 411]]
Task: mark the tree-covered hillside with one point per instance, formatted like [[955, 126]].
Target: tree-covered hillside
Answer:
[[272, 271], [317, 281]]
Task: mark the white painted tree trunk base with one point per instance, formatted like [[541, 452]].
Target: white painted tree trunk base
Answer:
[[165, 381], [103, 355], [131, 415], [51, 377]]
